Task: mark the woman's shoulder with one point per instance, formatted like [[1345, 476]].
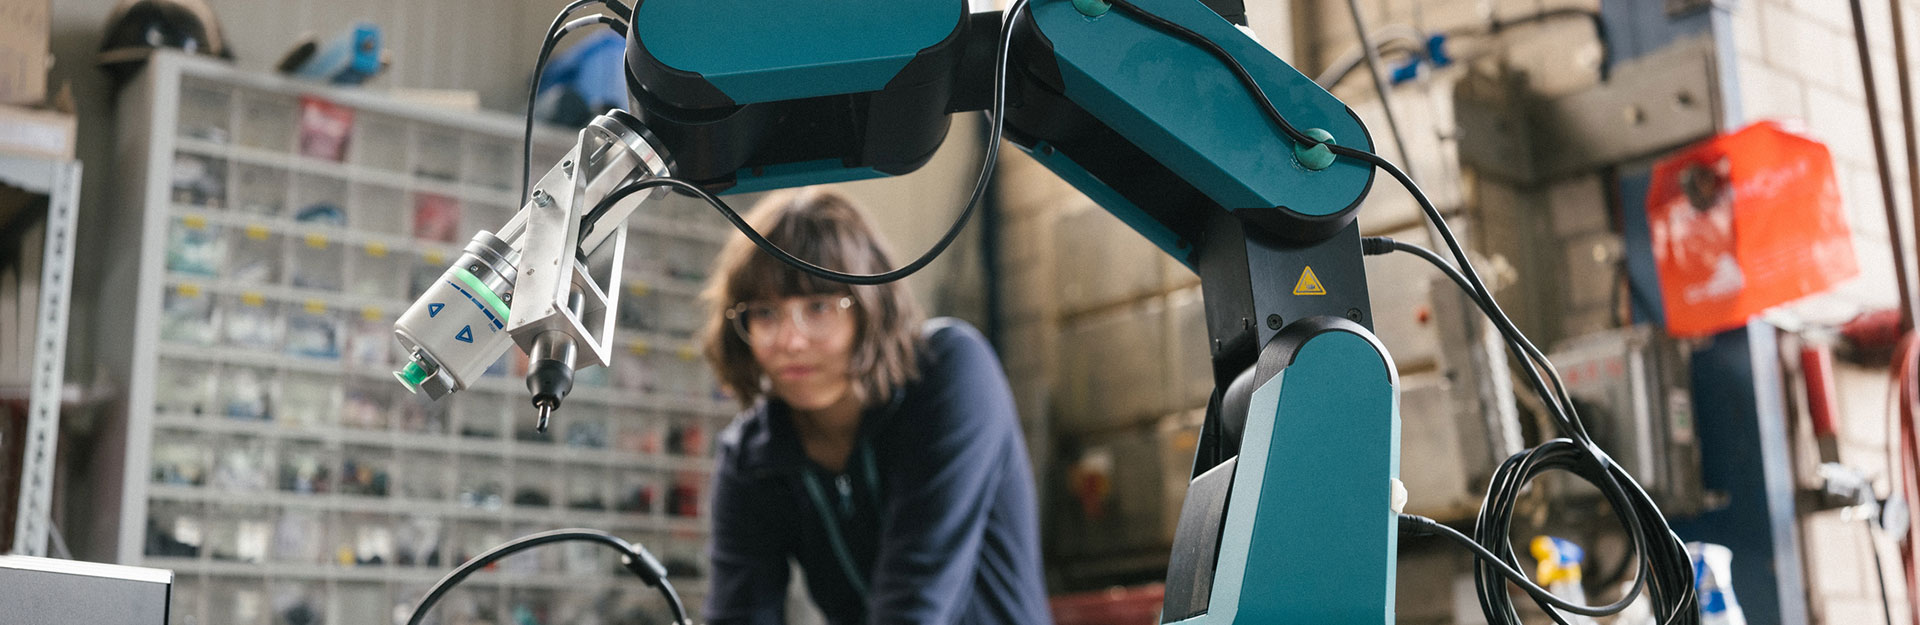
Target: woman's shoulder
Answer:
[[960, 407], [748, 424], [748, 442], [960, 377], [953, 343]]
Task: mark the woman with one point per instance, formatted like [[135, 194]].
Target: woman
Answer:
[[880, 453]]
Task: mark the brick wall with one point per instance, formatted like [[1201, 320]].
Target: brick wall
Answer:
[[1796, 62], [1100, 336]]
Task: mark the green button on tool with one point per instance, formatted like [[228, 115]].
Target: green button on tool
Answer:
[[412, 376]]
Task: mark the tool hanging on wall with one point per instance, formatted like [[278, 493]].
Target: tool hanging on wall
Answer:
[[352, 57]]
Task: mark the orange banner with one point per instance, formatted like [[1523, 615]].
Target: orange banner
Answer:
[[1744, 222]]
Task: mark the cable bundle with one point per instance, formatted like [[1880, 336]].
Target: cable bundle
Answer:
[[1665, 568]]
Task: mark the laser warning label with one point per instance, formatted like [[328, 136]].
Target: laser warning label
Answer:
[[1309, 284]]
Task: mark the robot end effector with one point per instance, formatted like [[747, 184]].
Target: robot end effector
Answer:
[[767, 116], [546, 282]]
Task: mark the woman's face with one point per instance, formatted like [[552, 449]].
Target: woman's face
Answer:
[[804, 344]]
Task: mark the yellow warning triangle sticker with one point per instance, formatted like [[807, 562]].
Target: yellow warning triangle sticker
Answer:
[[1309, 284]]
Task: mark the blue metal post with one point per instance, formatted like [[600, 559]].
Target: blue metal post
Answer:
[[1740, 415]]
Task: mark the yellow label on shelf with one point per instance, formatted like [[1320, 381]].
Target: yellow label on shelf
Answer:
[[371, 313], [187, 289], [639, 347], [434, 257], [256, 232], [639, 288], [377, 249], [315, 307], [688, 353], [316, 240], [194, 222], [251, 298]]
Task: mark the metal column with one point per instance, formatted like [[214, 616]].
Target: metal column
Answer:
[[60, 182], [1739, 409]]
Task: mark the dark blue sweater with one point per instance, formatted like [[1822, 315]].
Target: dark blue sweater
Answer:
[[933, 521]]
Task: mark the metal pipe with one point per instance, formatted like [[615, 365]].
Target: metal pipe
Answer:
[[1380, 86], [1881, 162], [1907, 127], [1372, 55]]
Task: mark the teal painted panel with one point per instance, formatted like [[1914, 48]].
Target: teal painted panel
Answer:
[[1336, 447], [1309, 536], [826, 171], [759, 51], [1111, 200], [1186, 108]]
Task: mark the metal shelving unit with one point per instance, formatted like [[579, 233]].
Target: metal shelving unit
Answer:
[[272, 461], [33, 301]]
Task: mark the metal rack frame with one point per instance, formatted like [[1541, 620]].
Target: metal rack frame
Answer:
[[60, 182], [154, 114]]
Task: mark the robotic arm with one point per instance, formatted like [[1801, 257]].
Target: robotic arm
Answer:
[[751, 97], [1144, 106], [547, 282]]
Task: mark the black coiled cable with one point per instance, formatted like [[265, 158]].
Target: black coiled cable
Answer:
[[633, 557], [1665, 570]]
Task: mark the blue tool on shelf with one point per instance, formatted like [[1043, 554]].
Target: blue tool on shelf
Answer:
[[351, 57]]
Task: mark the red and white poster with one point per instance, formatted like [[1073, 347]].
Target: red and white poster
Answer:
[[1744, 222], [324, 129]]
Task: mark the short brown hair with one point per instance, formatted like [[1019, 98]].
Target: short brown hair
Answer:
[[822, 226]]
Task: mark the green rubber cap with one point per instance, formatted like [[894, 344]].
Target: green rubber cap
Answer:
[[412, 376], [1092, 8], [1317, 156]]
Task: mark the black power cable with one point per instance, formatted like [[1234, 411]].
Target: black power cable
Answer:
[[1591, 16], [1416, 525], [996, 117], [1667, 559], [1496, 513], [1879, 570], [633, 557], [1415, 48], [559, 30]]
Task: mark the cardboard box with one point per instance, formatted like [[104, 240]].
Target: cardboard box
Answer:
[[37, 133], [24, 28]]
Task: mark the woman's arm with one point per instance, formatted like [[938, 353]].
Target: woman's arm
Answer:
[[947, 459], [749, 549]]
